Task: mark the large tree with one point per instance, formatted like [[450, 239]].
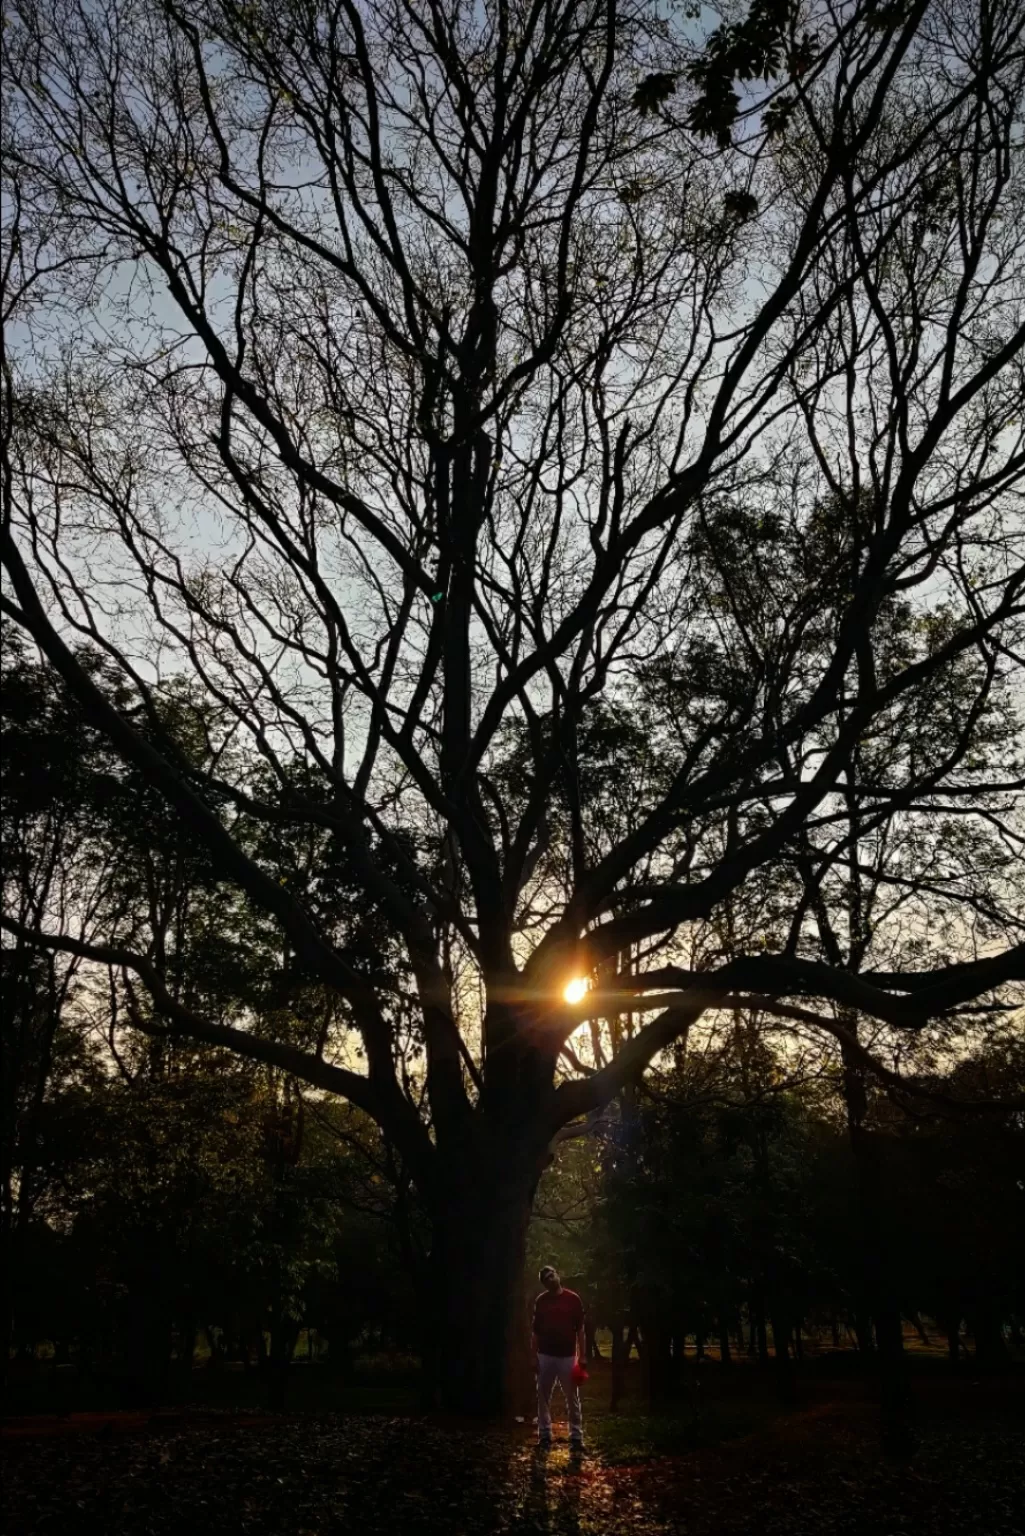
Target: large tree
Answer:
[[551, 440]]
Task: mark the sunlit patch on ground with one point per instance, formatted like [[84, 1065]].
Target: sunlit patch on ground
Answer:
[[816, 1472]]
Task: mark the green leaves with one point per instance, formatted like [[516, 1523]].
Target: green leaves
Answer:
[[887, 17], [758, 48], [740, 206], [777, 116], [653, 91]]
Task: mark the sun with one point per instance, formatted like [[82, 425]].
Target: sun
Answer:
[[575, 990]]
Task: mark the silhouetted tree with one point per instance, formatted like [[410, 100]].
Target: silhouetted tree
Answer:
[[448, 407]]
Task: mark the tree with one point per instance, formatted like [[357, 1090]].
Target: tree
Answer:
[[54, 864], [526, 466]]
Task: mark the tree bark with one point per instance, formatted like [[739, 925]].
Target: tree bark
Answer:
[[657, 1361], [621, 1337], [284, 1337], [591, 1333], [149, 1353], [782, 1367], [759, 1331], [477, 1277], [990, 1345], [894, 1391], [951, 1326]]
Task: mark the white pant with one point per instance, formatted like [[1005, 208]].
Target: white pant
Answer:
[[552, 1368]]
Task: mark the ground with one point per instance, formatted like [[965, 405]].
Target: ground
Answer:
[[727, 1463]]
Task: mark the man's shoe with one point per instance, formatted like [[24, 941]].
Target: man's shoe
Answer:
[[576, 1447], [544, 1443]]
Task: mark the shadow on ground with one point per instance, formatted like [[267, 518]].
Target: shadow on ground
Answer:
[[816, 1470]]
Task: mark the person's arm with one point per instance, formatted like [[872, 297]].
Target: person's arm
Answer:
[[581, 1339], [533, 1348]]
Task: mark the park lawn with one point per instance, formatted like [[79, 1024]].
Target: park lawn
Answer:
[[812, 1471]]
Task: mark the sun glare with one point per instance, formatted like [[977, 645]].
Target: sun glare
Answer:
[[576, 990]]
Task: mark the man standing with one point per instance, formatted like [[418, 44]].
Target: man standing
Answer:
[[558, 1341]]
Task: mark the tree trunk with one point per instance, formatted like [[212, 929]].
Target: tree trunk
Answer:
[[188, 1332], [724, 1343], [678, 1354], [782, 1367], [990, 1345], [477, 1275], [760, 1333], [894, 1391], [657, 1368], [149, 1353], [863, 1333], [591, 1331], [620, 1354], [6, 1285], [284, 1337], [951, 1326]]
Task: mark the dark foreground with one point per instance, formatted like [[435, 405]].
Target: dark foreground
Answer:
[[814, 1472]]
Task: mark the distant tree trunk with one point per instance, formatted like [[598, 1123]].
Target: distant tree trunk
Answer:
[[724, 1343], [215, 1348], [678, 1350], [781, 1354], [760, 1332], [283, 1339], [149, 1353], [591, 1335], [798, 1341], [950, 1324], [622, 1336], [894, 1388], [187, 1333], [990, 1344], [834, 1323], [656, 1358], [430, 1371], [863, 1335]]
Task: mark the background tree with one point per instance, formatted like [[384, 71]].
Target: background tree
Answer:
[[440, 387]]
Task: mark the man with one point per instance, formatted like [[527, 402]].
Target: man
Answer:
[[557, 1342]]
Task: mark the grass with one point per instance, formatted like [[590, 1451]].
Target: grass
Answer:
[[311, 1390], [709, 1408], [813, 1470]]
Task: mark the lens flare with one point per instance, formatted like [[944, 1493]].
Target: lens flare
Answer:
[[576, 990]]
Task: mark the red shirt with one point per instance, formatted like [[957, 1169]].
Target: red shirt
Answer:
[[556, 1321]]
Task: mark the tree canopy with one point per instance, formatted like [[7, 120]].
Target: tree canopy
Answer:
[[566, 471]]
